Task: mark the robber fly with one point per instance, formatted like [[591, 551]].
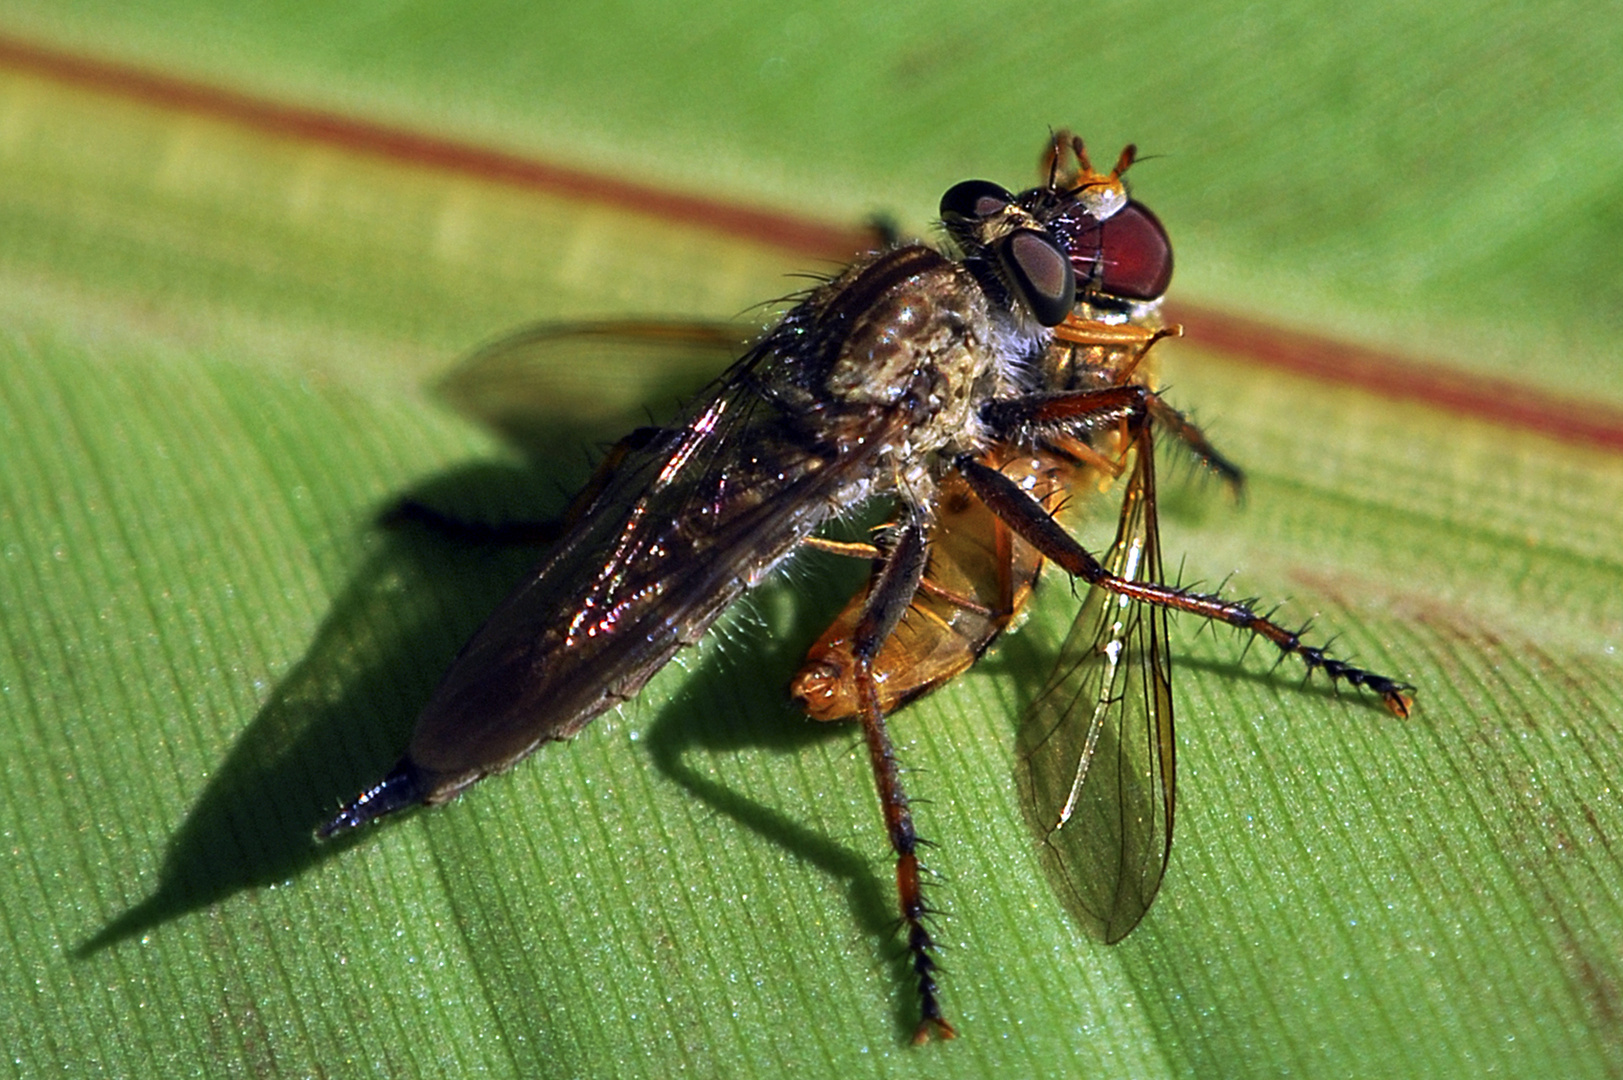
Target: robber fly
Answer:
[[1106, 854], [981, 573], [973, 388]]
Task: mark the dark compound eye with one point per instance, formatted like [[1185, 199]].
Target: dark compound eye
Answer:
[[1128, 255], [1040, 272], [973, 200]]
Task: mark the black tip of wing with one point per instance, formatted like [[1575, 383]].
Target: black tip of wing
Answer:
[[404, 786]]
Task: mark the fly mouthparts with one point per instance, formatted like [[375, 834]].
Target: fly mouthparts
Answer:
[[403, 787]]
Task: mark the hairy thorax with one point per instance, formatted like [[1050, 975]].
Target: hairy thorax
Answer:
[[927, 351]]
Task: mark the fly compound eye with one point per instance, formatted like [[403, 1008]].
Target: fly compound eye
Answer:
[[1040, 273], [973, 200], [1128, 256]]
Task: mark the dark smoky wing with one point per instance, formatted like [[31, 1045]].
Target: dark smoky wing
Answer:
[[1096, 767], [555, 386], [689, 516]]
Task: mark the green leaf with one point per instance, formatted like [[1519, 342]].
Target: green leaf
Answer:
[[215, 351]]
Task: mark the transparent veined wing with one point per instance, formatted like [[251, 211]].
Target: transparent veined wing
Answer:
[[1096, 770]]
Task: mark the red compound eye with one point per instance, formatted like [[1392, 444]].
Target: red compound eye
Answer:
[[1128, 255]]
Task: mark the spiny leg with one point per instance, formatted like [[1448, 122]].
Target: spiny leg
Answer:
[[1187, 432], [897, 579], [1027, 517], [1075, 412], [1086, 333]]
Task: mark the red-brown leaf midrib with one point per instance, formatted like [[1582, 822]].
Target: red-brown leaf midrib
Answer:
[[1389, 374]]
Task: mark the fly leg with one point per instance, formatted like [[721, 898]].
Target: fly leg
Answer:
[[896, 580], [858, 549], [1105, 338], [1194, 440], [1076, 412], [1090, 333], [1028, 518]]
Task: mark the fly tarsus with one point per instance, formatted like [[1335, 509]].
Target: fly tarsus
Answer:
[[921, 945], [1393, 693], [896, 580], [904, 842], [1189, 435], [1027, 517]]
